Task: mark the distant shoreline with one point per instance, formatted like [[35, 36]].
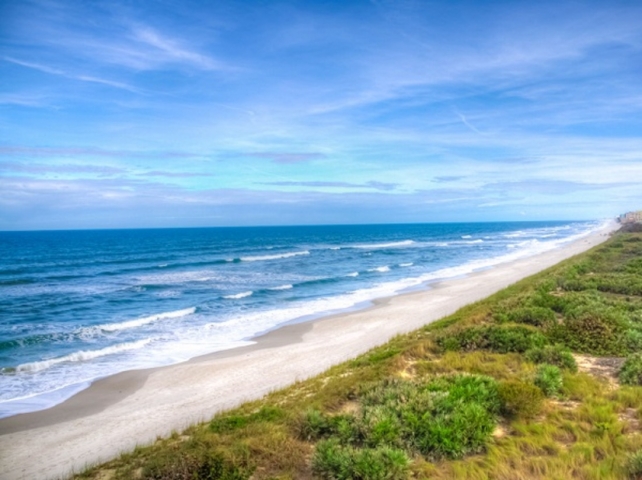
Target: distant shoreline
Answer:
[[118, 412]]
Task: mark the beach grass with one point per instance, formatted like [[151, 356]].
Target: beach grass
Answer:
[[521, 385]]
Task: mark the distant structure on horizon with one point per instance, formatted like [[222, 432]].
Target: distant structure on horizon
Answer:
[[631, 217]]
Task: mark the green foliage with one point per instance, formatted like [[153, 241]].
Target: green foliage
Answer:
[[631, 371], [314, 425], [549, 379], [520, 399], [335, 461], [634, 465], [448, 417], [596, 329], [497, 338], [232, 422], [557, 355], [536, 316]]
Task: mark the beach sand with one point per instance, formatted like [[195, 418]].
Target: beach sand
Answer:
[[133, 408]]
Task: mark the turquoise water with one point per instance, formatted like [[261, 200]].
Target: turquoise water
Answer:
[[80, 305]]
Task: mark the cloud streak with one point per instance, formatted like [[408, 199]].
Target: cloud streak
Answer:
[[321, 184]]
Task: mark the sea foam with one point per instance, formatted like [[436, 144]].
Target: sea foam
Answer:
[[238, 295], [83, 355], [139, 322], [259, 258], [374, 246]]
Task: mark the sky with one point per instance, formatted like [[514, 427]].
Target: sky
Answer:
[[183, 113]]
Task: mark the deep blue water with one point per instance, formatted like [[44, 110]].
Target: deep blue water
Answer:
[[79, 305]]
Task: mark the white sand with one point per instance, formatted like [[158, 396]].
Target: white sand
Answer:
[[133, 408]]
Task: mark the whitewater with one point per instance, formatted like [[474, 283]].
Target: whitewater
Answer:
[[81, 305]]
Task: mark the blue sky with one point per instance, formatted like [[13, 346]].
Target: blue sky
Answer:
[[186, 113]]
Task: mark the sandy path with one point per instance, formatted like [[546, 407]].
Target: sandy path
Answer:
[[117, 413]]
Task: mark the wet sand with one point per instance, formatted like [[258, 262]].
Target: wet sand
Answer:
[[133, 408]]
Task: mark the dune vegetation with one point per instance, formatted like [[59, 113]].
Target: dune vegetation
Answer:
[[541, 380]]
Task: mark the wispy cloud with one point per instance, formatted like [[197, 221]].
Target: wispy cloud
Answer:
[[321, 184], [36, 168], [82, 78], [160, 173], [19, 151], [287, 157], [171, 50]]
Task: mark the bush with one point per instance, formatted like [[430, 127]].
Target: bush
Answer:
[[634, 465], [592, 329], [462, 430], [557, 355], [334, 461], [631, 371], [449, 416], [549, 380], [520, 399], [497, 338], [536, 316], [313, 425], [233, 422]]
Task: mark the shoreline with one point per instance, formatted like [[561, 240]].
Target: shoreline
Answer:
[[132, 408]]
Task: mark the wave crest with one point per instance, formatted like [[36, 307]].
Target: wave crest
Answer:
[[403, 243], [239, 295], [82, 355], [113, 327], [278, 256]]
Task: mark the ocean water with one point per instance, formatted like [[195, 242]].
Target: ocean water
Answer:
[[76, 306]]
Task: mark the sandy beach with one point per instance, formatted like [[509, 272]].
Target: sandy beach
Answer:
[[133, 408]]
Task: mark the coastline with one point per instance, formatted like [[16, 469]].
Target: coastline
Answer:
[[117, 413]]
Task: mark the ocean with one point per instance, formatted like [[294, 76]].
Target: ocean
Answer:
[[76, 306]]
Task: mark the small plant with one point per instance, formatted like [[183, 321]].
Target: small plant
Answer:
[[335, 461], [549, 379], [557, 355], [222, 424], [537, 316], [313, 425], [520, 399], [634, 465], [497, 338], [591, 327], [631, 371]]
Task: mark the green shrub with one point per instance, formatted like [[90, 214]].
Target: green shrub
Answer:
[[332, 460], [592, 329], [632, 340], [313, 425], [447, 417], [631, 371], [450, 416], [557, 355], [536, 316], [549, 379], [634, 465], [229, 423], [233, 422], [463, 429], [497, 338], [520, 399], [380, 425]]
